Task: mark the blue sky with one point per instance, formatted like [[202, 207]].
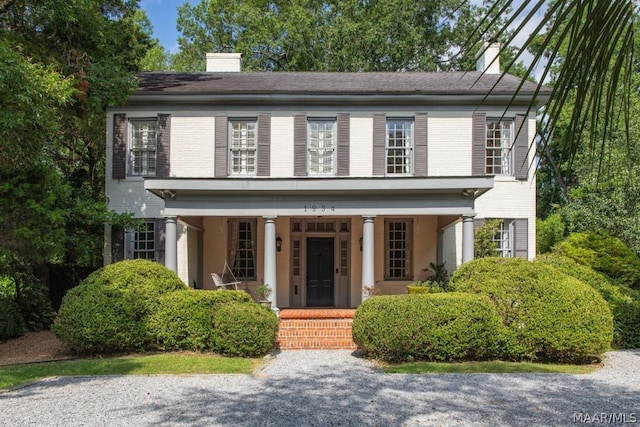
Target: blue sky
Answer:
[[163, 15]]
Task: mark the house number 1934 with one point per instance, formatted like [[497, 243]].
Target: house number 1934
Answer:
[[319, 208]]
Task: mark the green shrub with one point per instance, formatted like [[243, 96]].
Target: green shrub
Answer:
[[35, 306], [623, 301], [184, 320], [603, 253], [548, 315], [484, 244], [108, 311], [245, 330], [425, 287], [442, 327], [549, 231], [11, 323]]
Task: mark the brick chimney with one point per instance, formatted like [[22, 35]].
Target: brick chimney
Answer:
[[224, 62]]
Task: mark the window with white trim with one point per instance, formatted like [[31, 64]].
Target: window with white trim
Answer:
[[243, 147], [242, 252], [143, 242], [399, 147], [499, 143], [504, 239], [321, 147], [143, 148], [398, 244]]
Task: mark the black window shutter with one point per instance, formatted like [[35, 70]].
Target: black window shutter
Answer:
[[221, 147], [478, 144], [379, 143], [521, 147], [264, 145], [164, 146], [119, 164], [300, 145], [343, 125], [420, 144]]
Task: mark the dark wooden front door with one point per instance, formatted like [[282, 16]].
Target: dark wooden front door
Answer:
[[320, 258]]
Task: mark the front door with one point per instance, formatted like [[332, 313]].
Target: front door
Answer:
[[320, 259]]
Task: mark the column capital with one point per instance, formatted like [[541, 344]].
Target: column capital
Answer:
[[270, 218], [469, 217], [368, 217]]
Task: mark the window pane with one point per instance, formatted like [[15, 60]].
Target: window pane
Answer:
[[144, 242], [399, 147], [503, 239], [498, 148], [398, 242], [242, 249], [243, 147], [321, 147], [143, 147]]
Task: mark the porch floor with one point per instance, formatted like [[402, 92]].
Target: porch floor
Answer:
[[316, 329]]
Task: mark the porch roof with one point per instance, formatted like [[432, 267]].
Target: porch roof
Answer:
[[319, 196]]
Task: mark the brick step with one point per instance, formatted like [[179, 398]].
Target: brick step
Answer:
[[316, 329]]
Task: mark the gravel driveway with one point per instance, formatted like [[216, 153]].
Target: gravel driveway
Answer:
[[326, 388]]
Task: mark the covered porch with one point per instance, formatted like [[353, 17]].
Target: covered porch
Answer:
[[317, 242]]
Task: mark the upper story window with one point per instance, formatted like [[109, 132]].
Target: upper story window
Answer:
[[504, 239], [499, 142], [242, 147], [321, 147], [399, 147], [144, 148]]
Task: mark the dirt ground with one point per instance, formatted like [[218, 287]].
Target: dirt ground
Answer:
[[33, 347]]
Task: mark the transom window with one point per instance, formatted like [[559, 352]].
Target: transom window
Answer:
[[322, 147], [499, 159], [398, 249], [504, 239], [144, 242], [243, 147], [143, 147], [242, 248], [399, 147]]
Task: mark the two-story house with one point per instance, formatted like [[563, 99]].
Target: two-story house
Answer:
[[321, 185]]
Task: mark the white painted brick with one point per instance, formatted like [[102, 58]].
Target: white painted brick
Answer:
[[361, 146], [449, 142], [192, 147], [282, 145]]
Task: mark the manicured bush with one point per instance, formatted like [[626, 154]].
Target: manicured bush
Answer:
[[441, 327], [108, 311], [11, 323], [425, 287], [548, 315], [549, 231], [185, 320], [623, 301], [244, 330], [603, 253]]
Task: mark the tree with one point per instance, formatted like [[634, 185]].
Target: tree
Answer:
[[331, 35]]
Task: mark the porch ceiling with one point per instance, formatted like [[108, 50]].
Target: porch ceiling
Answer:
[[319, 196]]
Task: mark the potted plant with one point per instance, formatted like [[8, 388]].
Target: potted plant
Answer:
[[264, 291]]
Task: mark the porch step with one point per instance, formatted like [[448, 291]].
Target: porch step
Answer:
[[316, 329]]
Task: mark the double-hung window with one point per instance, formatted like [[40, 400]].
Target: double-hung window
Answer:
[[322, 147], [242, 237], [143, 149], [504, 239], [243, 147], [142, 242], [398, 244], [399, 147], [499, 144]]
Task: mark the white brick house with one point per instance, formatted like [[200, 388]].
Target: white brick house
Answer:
[[319, 184]]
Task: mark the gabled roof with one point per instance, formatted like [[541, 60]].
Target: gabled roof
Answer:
[[279, 86]]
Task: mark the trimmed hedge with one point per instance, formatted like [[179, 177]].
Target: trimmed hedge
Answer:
[[438, 327], [247, 330], [603, 253], [623, 301], [548, 315], [11, 323], [185, 320], [108, 311]]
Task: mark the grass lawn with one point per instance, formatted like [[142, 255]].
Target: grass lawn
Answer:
[[490, 367], [165, 363]]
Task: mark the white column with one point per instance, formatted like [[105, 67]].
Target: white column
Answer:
[[270, 258], [171, 244], [467, 238], [368, 255]]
